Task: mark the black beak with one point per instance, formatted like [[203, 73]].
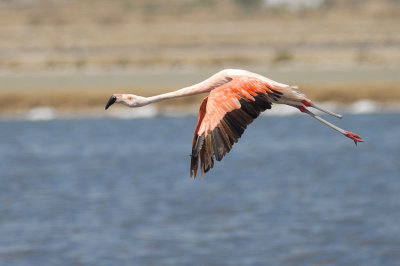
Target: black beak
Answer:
[[111, 101]]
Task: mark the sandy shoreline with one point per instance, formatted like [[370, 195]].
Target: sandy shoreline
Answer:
[[55, 95], [121, 112], [74, 91]]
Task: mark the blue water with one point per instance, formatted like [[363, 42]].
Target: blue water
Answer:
[[117, 192]]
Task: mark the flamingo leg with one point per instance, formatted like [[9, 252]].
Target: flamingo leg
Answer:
[[311, 104], [348, 134]]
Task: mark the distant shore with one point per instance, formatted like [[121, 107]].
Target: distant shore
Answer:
[[70, 56], [164, 110], [143, 34], [77, 92]]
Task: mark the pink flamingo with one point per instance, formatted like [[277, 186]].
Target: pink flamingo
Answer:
[[236, 97]]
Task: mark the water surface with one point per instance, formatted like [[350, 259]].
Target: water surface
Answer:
[[117, 192]]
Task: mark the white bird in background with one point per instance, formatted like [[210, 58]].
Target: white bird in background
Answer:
[[236, 97]]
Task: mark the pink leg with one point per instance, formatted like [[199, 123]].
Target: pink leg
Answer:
[[308, 103], [348, 134]]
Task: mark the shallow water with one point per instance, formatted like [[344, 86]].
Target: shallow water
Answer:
[[117, 192]]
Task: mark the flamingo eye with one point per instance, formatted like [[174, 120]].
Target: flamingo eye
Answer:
[[129, 98]]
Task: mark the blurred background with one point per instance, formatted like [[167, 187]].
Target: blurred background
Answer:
[[70, 55], [84, 186]]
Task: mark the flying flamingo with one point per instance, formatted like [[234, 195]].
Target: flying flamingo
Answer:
[[236, 97]]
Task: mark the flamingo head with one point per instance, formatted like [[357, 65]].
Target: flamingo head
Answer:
[[130, 100]]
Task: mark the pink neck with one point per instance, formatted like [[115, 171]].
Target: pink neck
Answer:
[[202, 87], [199, 88]]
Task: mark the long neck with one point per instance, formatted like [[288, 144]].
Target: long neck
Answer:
[[202, 87], [188, 91]]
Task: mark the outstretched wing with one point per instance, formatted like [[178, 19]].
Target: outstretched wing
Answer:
[[223, 117]]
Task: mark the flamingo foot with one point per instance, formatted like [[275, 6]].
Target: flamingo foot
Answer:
[[356, 138]]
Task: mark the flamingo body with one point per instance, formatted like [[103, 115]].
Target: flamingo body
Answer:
[[223, 117]]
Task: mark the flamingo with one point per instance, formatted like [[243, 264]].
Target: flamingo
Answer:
[[236, 97]]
